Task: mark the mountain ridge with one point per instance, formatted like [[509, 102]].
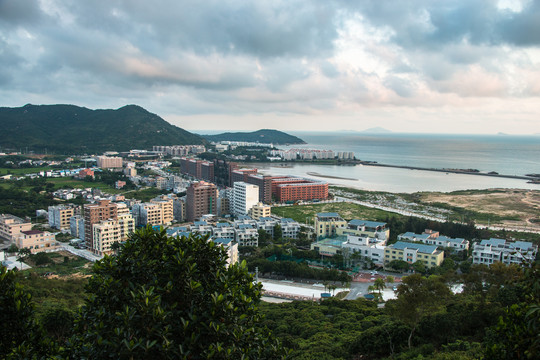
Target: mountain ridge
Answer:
[[66, 128], [267, 136]]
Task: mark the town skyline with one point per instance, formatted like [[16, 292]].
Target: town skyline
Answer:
[[468, 67]]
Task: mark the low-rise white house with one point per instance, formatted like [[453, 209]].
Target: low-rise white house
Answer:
[[431, 237], [499, 250]]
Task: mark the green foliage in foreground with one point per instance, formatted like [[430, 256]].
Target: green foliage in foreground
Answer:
[[160, 298]]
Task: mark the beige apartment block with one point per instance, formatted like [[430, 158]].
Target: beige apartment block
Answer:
[[93, 214], [36, 241], [260, 210], [109, 162], [60, 215], [11, 226], [108, 232]]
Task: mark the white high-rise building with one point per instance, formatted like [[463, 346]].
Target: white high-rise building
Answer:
[[244, 197]]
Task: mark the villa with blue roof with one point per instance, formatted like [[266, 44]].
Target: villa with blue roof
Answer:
[[499, 250], [410, 252], [373, 229], [431, 237], [327, 224]]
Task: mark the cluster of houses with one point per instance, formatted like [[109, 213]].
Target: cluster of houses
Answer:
[[369, 239]]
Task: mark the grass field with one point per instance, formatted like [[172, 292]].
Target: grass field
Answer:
[[22, 171], [59, 267], [348, 211], [145, 194], [63, 182]]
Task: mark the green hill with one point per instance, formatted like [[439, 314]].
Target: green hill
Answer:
[[76, 130], [266, 136]]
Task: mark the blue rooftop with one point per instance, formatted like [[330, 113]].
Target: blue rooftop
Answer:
[[222, 241], [426, 249], [200, 223], [366, 223], [328, 215], [523, 245], [222, 225], [493, 242]]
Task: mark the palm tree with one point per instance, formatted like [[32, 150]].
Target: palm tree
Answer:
[[379, 284]]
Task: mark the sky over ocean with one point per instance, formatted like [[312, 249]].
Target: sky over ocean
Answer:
[[456, 66]]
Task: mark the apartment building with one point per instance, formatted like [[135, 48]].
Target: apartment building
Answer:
[[286, 189], [245, 196], [60, 215], [499, 250], [372, 229], [431, 237], [410, 252], [108, 232], [230, 247], [76, 226], [201, 199], [260, 210], [223, 231], [247, 235], [109, 162], [11, 226], [327, 224], [95, 213], [36, 240], [158, 211], [366, 246]]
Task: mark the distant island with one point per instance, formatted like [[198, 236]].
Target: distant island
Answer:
[[266, 136], [70, 129], [376, 130]]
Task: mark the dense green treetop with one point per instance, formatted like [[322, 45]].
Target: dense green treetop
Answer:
[[171, 298], [78, 130]]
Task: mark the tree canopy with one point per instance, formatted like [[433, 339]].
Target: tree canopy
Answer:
[[171, 298]]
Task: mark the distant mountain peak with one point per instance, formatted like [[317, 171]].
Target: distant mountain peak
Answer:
[[264, 135], [376, 130]]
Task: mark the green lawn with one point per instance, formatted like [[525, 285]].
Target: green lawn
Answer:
[[145, 194], [348, 211], [63, 182], [22, 171]]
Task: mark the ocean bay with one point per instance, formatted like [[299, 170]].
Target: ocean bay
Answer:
[[393, 179], [507, 155]]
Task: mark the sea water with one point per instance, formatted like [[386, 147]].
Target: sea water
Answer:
[[505, 154]]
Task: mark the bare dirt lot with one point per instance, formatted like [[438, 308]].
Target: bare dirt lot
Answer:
[[521, 205]]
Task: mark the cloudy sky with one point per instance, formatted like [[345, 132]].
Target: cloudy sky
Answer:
[[464, 66]]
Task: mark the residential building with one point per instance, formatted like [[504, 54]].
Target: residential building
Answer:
[[499, 250], [288, 189], [76, 226], [327, 224], [60, 215], [231, 247], [95, 213], [202, 228], [247, 235], [431, 237], [372, 229], [108, 232], [365, 246], [159, 211], [130, 171], [289, 228], [36, 240], [11, 226], [84, 173], [260, 210], [410, 252], [109, 162], [201, 199], [223, 231], [244, 197]]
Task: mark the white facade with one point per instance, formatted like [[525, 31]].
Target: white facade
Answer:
[[499, 250], [244, 197], [368, 247]]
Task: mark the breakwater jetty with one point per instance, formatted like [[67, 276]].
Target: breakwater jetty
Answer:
[[453, 171]]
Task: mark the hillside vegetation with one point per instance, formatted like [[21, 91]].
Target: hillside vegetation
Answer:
[[78, 130], [265, 136]]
